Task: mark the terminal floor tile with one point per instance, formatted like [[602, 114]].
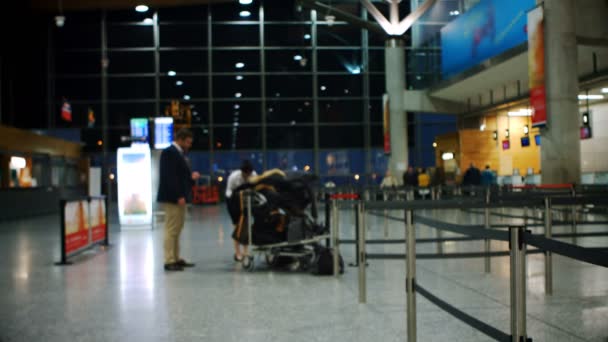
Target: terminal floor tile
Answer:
[[123, 293]]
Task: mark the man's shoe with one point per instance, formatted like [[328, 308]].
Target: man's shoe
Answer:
[[184, 263], [173, 267], [238, 258]]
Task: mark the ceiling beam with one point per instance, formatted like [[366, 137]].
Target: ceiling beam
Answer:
[[74, 5]]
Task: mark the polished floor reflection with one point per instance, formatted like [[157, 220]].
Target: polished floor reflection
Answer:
[[123, 293]]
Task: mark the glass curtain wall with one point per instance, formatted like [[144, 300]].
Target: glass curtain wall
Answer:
[[283, 86]]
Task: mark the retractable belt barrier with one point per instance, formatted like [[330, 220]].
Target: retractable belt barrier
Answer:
[[517, 236]]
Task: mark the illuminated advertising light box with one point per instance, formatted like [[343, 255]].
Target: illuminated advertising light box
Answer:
[[97, 211], [139, 130], [134, 169], [163, 132], [76, 225]]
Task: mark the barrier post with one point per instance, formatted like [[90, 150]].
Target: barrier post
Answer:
[[385, 198], [357, 235], [518, 284], [573, 213], [361, 251], [410, 261], [249, 237], [487, 226], [335, 232], [63, 260], [107, 238], [548, 257]]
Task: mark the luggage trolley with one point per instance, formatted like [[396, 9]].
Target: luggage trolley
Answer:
[[301, 250]]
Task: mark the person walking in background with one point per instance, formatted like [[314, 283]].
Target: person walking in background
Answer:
[[175, 185], [487, 177], [472, 176], [233, 202], [410, 177]]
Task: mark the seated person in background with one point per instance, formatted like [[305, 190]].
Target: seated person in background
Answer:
[[424, 180], [487, 177], [388, 181]]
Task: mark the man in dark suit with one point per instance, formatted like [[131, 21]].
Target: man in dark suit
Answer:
[[175, 184]]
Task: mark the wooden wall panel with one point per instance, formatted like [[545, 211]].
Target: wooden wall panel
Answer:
[[478, 147], [13, 139]]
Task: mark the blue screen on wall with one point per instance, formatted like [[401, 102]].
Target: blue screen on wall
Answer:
[[486, 30]]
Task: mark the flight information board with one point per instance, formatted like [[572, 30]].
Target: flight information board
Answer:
[[163, 132]]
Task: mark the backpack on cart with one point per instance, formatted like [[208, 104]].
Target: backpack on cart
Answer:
[[323, 264]]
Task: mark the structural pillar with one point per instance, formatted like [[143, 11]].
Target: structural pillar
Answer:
[[394, 57], [560, 148]]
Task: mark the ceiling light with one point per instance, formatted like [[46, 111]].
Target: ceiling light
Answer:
[[526, 129], [237, 106], [434, 144], [238, 95], [148, 21], [245, 2], [186, 97], [239, 78], [171, 73], [323, 88], [453, 13], [447, 156], [482, 127], [590, 97], [239, 65], [59, 20], [307, 36], [605, 90], [141, 8], [244, 14], [179, 83], [297, 58]]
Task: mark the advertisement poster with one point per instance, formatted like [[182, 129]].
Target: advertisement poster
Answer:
[[97, 218], [536, 66], [386, 124], [488, 29], [134, 169], [76, 225]]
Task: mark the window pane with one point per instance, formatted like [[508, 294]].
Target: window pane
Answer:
[[230, 87], [226, 162], [200, 142], [340, 163], [342, 85], [189, 13], [277, 10], [339, 35], [376, 60], [288, 60], [290, 137], [377, 135], [240, 112], [130, 36], [130, 62], [78, 36], [124, 88], [127, 16], [377, 85], [232, 10], [183, 61], [78, 63], [183, 35], [289, 86], [177, 87], [79, 88], [290, 160], [230, 138], [289, 111], [120, 114], [339, 60], [376, 111], [341, 136], [287, 35], [341, 111], [236, 35], [226, 61]]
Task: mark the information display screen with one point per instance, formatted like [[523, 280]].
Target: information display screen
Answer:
[[139, 130], [163, 132]]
